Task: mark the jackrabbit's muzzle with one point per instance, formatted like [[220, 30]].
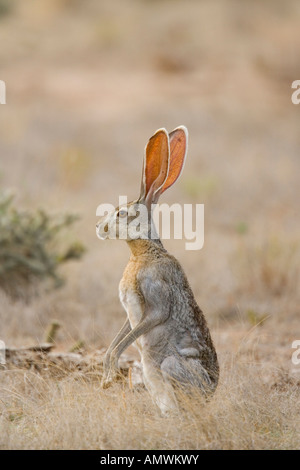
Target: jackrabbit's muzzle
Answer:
[[102, 229]]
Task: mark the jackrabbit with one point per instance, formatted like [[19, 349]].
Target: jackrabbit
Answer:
[[163, 317]]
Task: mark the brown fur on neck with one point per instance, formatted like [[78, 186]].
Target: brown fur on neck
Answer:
[[146, 248]]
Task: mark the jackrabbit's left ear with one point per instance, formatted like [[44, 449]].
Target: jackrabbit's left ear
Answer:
[[156, 166], [178, 152]]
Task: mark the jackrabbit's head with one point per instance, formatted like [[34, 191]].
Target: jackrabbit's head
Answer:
[[164, 159]]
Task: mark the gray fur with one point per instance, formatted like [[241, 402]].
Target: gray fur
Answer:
[[166, 323]]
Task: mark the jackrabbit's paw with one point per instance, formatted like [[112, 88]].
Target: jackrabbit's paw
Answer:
[[108, 379], [106, 383]]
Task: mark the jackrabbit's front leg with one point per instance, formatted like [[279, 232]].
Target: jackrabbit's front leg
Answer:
[[108, 374], [145, 325]]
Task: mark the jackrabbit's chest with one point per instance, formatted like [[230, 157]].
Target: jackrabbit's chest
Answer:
[[132, 303]]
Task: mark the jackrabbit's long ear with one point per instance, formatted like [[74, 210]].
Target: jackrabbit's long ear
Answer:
[[178, 151], [156, 166]]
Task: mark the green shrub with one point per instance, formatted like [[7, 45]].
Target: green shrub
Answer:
[[6, 7], [29, 250]]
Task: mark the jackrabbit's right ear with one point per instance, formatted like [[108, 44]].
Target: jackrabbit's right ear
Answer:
[[156, 166], [178, 151]]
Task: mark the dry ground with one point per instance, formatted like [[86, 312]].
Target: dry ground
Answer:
[[87, 84]]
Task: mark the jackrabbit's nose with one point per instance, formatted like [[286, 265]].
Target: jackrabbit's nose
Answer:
[[105, 228]]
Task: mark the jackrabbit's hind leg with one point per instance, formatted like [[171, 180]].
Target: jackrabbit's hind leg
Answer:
[[161, 390], [187, 372]]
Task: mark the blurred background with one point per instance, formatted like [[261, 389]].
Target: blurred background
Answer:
[[88, 83]]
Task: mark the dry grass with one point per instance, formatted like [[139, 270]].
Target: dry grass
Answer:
[[245, 413], [86, 86], [256, 405]]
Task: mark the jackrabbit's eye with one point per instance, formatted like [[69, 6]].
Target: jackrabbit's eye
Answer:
[[122, 213]]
